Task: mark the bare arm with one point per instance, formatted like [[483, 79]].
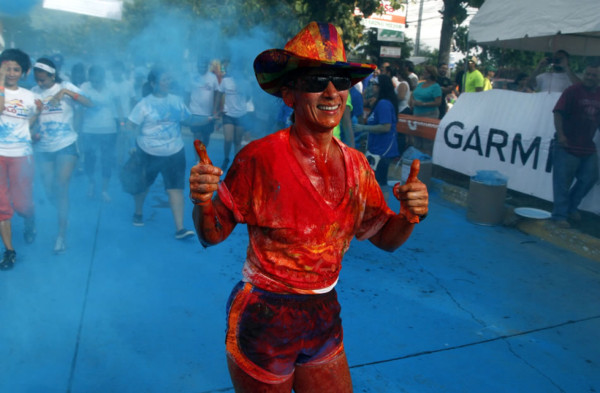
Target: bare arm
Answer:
[[212, 220], [414, 205], [83, 100]]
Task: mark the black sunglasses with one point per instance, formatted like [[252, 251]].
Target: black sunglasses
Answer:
[[318, 83]]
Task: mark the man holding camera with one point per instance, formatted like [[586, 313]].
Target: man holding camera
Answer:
[[557, 78]]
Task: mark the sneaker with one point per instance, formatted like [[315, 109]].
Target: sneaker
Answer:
[[29, 236], [138, 220], [8, 260], [184, 234], [60, 246]]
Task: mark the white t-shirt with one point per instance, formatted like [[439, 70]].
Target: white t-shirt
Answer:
[[403, 104], [100, 118], [552, 82], [15, 138], [160, 120], [235, 101], [202, 94], [56, 121], [125, 93]]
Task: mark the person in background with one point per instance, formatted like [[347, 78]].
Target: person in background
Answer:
[[57, 144], [575, 158], [427, 97], [447, 87], [235, 90], [18, 111], [99, 131], [555, 79], [303, 196], [345, 131], [403, 92], [203, 101], [121, 87], [473, 79], [409, 69], [520, 83], [488, 81], [381, 129], [157, 119]]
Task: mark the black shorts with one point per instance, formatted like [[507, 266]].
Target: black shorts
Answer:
[[172, 169]]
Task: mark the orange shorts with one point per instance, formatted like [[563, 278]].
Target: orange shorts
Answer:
[[269, 333]]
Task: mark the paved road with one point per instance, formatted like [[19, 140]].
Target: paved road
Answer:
[[459, 308]]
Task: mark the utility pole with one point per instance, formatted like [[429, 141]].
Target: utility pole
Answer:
[[418, 40]]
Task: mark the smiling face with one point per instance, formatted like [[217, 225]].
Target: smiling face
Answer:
[[13, 73], [320, 111]]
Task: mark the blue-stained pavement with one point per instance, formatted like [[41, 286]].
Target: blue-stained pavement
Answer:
[[459, 308]]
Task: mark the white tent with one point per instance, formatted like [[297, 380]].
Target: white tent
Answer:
[[539, 25]]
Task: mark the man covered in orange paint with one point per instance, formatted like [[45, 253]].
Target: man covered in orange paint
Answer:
[[304, 195]]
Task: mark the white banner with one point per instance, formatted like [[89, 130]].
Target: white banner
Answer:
[[508, 132]]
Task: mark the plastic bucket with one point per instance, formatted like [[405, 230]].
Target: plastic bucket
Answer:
[[485, 201]]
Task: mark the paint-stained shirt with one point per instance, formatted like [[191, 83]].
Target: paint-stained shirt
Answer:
[[15, 138], [297, 240], [160, 120], [56, 120]]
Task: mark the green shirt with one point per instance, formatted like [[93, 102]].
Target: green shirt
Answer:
[[473, 80]]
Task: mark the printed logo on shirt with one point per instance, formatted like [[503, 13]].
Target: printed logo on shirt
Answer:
[[16, 108]]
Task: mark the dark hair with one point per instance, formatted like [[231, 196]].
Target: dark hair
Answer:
[[153, 78], [386, 91], [48, 62], [78, 74], [18, 56]]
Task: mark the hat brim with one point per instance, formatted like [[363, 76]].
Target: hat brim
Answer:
[[271, 66]]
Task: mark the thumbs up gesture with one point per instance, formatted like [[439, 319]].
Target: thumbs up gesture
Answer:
[[413, 196], [204, 177]]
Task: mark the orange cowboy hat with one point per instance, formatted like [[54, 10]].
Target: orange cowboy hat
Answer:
[[318, 45]]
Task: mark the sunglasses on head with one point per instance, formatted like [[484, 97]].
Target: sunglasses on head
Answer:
[[318, 83]]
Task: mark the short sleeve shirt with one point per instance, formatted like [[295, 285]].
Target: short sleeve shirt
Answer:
[[160, 120], [385, 143], [297, 240], [473, 80], [580, 109], [202, 93], [15, 138], [56, 120]]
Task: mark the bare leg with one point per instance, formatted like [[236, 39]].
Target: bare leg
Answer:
[[139, 199], [331, 377], [176, 202], [65, 164], [6, 234], [238, 136], [228, 134], [243, 383]]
